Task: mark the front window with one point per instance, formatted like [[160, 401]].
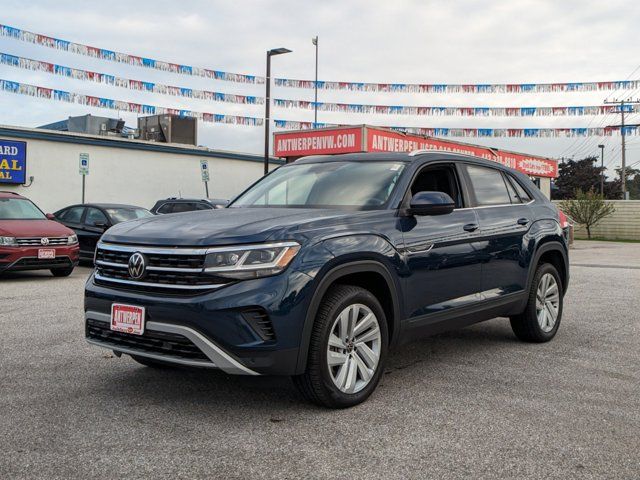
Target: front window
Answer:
[[360, 185], [123, 214], [19, 209]]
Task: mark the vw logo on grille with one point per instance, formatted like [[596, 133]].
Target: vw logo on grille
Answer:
[[137, 266], [44, 241]]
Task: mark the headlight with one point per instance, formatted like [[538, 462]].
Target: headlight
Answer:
[[250, 261], [72, 239], [8, 241]]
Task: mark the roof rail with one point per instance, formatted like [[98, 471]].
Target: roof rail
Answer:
[[420, 151], [7, 191]]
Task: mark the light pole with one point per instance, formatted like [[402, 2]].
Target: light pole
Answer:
[[601, 147], [314, 40], [267, 101]]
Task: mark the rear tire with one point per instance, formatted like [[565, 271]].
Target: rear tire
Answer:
[[62, 272], [541, 318], [347, 350]]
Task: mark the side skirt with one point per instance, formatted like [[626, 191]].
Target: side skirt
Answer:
[[461, 317]]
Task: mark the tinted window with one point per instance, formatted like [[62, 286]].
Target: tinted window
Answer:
[[95, 216], [166, 208], [72, 215], [204, 206], [488, 185], [515, 198], [183, 207], [438, 179], [522, 193], [19, 209]]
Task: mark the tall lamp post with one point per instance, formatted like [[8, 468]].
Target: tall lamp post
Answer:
[[267, 101], [601, 147]]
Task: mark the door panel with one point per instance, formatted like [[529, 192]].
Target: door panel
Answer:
[[91, 232], [444, 269], [503, 248]]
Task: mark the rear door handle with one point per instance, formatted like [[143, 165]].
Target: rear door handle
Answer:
[[523, 221], [470, 227]]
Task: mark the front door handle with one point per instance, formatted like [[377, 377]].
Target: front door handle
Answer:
[[523, 221], [470, 227]]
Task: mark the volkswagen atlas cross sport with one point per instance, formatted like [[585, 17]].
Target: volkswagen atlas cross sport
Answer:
[[322, 266], [31, 240]]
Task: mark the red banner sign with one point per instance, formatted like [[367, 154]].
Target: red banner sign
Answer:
[[318, 142], [350, 140], [386, 141]]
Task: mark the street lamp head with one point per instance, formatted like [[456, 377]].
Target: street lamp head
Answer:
[[600, 146], [278, 51]]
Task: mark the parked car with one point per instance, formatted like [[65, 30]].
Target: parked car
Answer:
[[323, 265], [31, 240], [90, 220], [180, 205]]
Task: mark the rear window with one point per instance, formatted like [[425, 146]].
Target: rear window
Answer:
[[19, 209], [123, 214]]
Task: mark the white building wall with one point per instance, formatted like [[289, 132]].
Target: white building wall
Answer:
[[122, 175]]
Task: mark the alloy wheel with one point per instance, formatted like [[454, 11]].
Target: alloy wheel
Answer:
[[547, 302], [354, 347]]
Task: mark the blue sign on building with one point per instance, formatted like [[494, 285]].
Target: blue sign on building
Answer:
[[13, 161]]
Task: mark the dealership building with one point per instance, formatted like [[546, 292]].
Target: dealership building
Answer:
[[47, 164], [364, 138], [44, 165]]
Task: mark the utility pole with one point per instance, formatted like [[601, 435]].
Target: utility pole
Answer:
[[267, 103], [601, 147], [626, 106], [314, 40]]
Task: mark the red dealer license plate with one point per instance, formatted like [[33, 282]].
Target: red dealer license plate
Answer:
[[46, 253], [127, 319]]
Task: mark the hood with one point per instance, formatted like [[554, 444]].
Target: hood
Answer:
[[33, 228], [226, 226]]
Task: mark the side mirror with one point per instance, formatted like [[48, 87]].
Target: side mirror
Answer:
[[50, 216], [431, 203]]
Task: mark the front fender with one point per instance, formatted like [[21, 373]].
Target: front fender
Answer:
[[345, 256]]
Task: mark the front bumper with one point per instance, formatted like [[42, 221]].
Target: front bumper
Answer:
[[26, 258], [210, 329]]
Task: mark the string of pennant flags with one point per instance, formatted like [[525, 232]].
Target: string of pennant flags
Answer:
[[113, 56], [114, 80], [158, 88], [101, 102], [136, 60]]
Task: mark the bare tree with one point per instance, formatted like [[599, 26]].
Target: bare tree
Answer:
[[587, 208]]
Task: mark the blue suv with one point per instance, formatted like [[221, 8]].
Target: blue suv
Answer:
[[321, 267]]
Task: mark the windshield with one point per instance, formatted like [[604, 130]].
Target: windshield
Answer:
[[123, 214], [19, 209], [361, 185]]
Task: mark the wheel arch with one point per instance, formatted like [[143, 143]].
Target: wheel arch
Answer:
[[555, 253], [369, 274]]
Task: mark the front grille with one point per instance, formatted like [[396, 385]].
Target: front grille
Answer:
[[162, 343], [174, 271], [37, 241]]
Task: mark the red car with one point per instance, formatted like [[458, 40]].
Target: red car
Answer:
[[31, 240]]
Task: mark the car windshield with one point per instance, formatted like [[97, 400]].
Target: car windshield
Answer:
[[123, 214], [19, 209], [360, 185]]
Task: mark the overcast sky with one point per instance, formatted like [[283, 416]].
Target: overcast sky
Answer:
[[401, 41]]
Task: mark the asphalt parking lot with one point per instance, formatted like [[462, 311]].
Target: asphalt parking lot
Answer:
[[473, 403]]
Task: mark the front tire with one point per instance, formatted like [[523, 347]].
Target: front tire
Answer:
[[348, 349], [541, 318], [62, 272]]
